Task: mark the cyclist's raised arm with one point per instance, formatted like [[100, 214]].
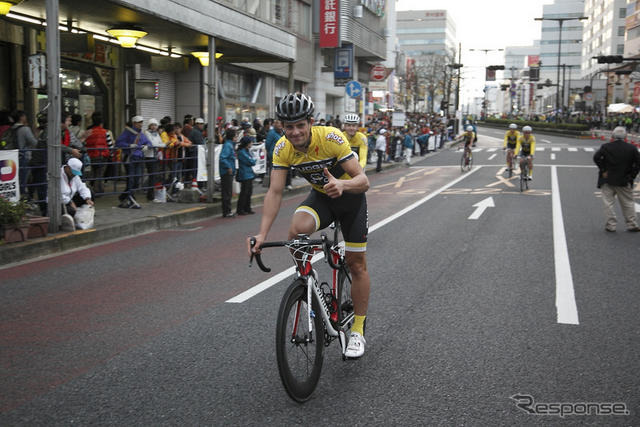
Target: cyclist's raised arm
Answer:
[[271, 206], [359, 183]]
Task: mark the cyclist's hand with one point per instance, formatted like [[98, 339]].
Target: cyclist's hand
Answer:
[[333, 187], [256, 248]]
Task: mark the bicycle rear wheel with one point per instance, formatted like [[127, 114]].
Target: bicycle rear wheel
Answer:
[[298, 352]]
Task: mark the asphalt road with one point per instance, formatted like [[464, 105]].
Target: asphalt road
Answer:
[[531, 298]]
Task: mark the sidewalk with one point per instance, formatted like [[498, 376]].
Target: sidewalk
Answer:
[[112, 222]]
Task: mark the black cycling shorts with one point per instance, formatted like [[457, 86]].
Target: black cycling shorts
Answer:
[[350, 209]]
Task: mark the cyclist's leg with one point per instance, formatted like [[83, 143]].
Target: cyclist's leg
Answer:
[[509, 157], [530, 160], [311, 215], [352, 211]]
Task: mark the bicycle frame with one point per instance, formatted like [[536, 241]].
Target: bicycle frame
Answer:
[[302, 250]]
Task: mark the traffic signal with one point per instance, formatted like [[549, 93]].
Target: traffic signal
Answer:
[[534, 74], [504, 87], [609, 59]]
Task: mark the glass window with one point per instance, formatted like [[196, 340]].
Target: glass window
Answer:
[[623, 12], [621, 30], [620, 49]]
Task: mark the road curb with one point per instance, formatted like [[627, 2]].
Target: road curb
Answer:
[[31, 249]]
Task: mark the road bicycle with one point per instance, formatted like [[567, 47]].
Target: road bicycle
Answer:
[[524, 174], [312, 313], [466, 161]]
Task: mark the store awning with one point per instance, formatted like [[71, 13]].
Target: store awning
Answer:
[[620, 108]]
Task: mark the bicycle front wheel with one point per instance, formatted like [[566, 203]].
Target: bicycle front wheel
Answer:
[[299, 352]]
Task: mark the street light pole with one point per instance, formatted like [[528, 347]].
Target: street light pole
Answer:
[[560, 23], [486, 51]]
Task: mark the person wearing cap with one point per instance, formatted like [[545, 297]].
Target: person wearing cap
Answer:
[[381, 147], [152, 157], [618, 163], [73, 191], [245, 174], [134, 143]]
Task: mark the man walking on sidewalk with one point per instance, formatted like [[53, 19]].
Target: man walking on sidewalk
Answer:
[[618, 163]]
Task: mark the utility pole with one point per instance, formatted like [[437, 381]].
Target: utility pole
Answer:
[[54, 152]]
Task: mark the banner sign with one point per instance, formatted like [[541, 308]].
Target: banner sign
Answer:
[[533, 60], [329, 23], [9, 179], [259, 153]]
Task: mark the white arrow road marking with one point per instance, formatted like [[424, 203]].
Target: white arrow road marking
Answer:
[[481, 207], [565, 297], [492, 156], [553, 156]]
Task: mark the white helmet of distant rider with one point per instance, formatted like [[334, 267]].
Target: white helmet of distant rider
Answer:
[[351, 124], [513, 126]]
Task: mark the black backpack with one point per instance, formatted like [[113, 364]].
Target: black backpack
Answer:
[[9, 139]]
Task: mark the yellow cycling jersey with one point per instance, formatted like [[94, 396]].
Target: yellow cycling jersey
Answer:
[[526, 146], [468, 137], [328, 149], [511, 139], [359, 145]]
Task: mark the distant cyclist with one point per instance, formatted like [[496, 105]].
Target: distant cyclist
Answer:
[[525, 149], [357, 140], [321, 155], [468, 137], [475, 131], [511, 142]]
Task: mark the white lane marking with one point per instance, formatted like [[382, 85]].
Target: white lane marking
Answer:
[[555, 148], [539, 148], [481, 207], [637, 207], [565, 297], [491, 150], [255, 290], [572, 149], [547, 141], [588, 149], [553, 156], [492, 156], [475, 150]]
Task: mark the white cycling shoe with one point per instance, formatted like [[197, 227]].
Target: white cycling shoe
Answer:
[[355, 348]]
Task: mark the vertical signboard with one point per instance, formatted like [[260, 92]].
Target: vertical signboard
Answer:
[[343, 66], [329, 23]]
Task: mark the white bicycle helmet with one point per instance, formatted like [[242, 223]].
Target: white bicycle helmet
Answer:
[[352, 118], [469, 129], [527, 129], [513, 126]]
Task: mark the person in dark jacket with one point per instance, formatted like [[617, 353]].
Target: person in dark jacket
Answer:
[[245, 174], [227, 165], [618, 163]]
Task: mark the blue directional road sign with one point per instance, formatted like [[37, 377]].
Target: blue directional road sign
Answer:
[[353, 89]]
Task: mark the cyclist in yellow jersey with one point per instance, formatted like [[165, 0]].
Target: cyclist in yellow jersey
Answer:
[[511, 142], [357, 140], [525, 148], [468, 137], [322, 156]]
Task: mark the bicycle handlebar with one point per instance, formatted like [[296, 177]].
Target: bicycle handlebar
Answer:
[[323, 242]]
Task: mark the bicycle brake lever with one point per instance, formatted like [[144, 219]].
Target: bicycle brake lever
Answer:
[[252, 241]]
